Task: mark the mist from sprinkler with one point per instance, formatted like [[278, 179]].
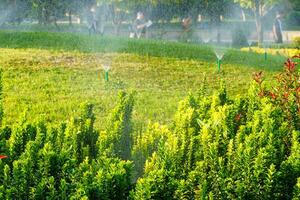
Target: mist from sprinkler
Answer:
[[249, 45], [206, 40]]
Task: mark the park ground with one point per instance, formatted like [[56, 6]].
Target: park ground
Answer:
[[48, 75]]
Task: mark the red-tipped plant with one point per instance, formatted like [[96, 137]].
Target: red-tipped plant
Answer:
[[286, 93]]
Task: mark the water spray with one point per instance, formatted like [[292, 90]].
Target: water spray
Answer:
[[206, 40], [106, 67], [219, 54], [249, 45]]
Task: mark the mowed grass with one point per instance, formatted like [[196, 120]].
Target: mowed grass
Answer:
[[98, 44], [50, 83]]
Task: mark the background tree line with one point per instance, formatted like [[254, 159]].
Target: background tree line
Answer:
[[49, 11], [116, 11]]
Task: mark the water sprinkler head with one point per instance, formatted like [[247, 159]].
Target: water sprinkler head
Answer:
[[249, 43], [206, 41], [106, 68], [106, 65], [219, 53]]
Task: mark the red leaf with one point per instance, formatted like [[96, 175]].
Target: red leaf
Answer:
[[272, 95], [238, 117], [290, 65], [258, 77], [2, 156], [296, 56]]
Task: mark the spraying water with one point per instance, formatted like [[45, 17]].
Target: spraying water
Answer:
[[206, 40], [106, 66], [249, 44], [219, 52]]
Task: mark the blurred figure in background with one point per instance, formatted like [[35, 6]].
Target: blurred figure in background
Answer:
[[187, 29], [92, 21], [186, 23], [101, 18], [139, 27], [277, 28]]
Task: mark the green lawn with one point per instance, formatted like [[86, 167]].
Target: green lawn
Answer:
[[51, 74]]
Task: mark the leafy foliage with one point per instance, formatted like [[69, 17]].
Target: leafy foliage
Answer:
[[224, 148], [63, 162], [286, 93], [217, 147]]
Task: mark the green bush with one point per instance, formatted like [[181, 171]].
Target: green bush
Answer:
[[296, 41], [62, 162], [294, 18], [239, 38], [226, 149], [217, 147]]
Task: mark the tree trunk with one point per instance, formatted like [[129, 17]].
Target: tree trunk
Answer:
[[55, 22], [117, 28], [260, 30], [46, 17], [259, 22], [243, 15], [217, 22], [40, 15], [70, 18], [219, 30]]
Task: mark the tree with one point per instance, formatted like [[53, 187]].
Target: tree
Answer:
[[260, 8], [295, 4]]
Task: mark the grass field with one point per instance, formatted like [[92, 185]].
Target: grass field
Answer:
[[51, 74]]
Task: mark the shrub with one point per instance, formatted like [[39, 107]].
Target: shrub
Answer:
[[222, 148], [239, 38], [296, 41], [294, 18], [216, 148], [285, 93]]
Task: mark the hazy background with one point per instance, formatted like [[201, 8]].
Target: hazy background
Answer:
[[213, 20]]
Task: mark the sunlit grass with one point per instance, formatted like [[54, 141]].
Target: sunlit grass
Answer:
[[51, 84], [51, 74]]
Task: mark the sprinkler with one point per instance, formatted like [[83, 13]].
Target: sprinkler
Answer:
[[219, 64], [106, 67], [206, 40], [265, 51], [249, 44], [219, 54]]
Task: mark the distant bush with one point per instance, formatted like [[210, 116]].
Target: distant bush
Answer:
[[274, 51], [296, 41], [294, 18], [239, 38]]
